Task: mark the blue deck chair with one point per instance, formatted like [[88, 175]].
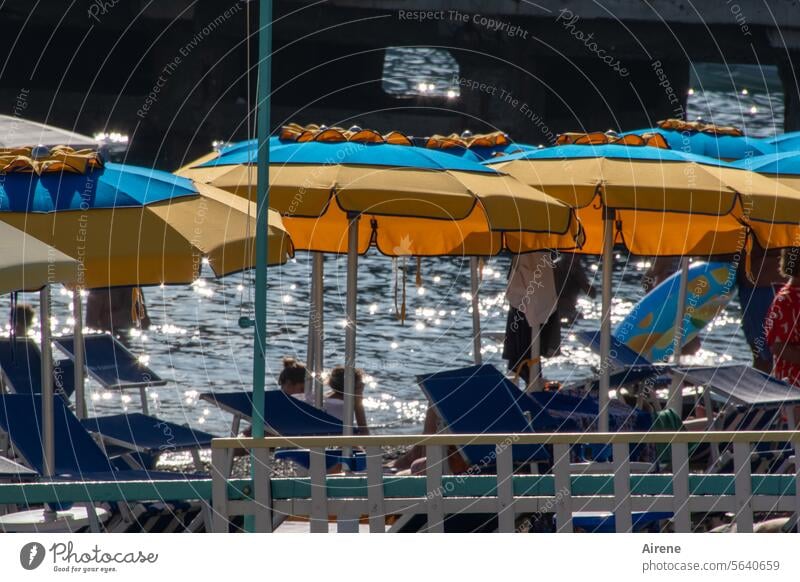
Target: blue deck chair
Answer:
[[285, 415], [139, 438], [112, 365], [746, 399], [78, 455], [21, 362], [484, 401]]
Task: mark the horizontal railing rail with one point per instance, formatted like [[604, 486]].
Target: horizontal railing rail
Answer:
[[495, 487]]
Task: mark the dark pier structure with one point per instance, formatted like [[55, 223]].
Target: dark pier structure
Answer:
[[173, 75]]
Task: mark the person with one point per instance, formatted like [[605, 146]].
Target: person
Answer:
[[334, 400], [571, 281], [782, 325], [22, 319], [116, 309], [533, 302], [758, 283], [292, 378]]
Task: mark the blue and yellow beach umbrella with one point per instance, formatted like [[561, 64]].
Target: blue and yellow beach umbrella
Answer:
[[129, 225], [412, 200]]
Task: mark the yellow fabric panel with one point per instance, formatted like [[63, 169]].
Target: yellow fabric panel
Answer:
[[659, 233], [775, 236], [403, 192], [571, 181], [427, 237], [298, 190], [764, 198], [159, 243], [328, 233], [27, 264], [675, 187], [510, 205], [130, 246]]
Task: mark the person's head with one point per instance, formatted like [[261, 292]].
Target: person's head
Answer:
[[292, 378], [790, 262], [336, 380], [23, 319]]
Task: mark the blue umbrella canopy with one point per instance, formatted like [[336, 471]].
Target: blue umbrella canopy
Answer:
[[725, 147], [350, 153], [780, 164], [112, 186], [787, 142]]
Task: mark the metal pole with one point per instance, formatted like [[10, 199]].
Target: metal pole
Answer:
[[48, 413], [262, 205], [675, 400], [476, 312], [535, 380], [350, 330], [605, 318], [78, 347], [312, 339], [319, 305]]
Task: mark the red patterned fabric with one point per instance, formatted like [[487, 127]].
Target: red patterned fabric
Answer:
[[783, 326]]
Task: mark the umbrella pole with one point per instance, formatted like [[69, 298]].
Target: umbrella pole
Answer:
[[605, 318], [48, 413], [535, 380], [476, 312], [319, 336], [675, 400], [350, 329], [308, 386], [262, 206], [78, 347]]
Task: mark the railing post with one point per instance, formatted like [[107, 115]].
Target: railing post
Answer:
[[376, 509], [682, 517], [219, 490], [319, 491], [505, 487], [622, 488], [435, 502], [743, 483], [563, 488], [263, 491]]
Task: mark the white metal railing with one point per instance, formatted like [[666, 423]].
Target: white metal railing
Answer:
[[496, 488]]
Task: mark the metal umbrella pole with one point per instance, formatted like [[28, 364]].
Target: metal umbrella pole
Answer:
[[48, 412], [319, 336], [311, 345], [350, 329], [675, 399], [605, 318], [78, 347], [476, 313], [313, 383]]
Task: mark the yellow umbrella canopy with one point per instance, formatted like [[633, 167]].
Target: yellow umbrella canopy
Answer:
[[27, 264], [775, 215], [411, 200], [129, 225], [665, 202]]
